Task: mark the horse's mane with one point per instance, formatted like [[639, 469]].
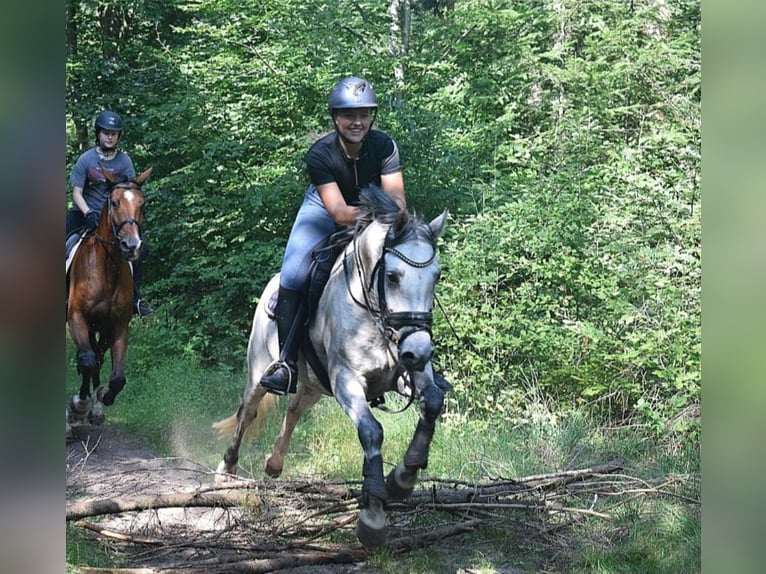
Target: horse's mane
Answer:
[[375, 205]]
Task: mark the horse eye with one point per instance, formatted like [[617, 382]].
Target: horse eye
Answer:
[[393, 277], [115, 203]]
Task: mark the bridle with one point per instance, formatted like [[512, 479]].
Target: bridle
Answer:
[[126, 185], [390, 324]]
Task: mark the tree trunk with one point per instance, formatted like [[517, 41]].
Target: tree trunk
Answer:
[[399, 10]]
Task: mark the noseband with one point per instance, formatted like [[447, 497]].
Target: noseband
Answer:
[[390, 323], [127, 185], [394, 322]]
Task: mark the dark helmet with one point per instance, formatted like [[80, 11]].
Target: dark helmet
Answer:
[[108, 121], [350, 93]]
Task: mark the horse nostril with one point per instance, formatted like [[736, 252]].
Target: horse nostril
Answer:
[[413, 362]]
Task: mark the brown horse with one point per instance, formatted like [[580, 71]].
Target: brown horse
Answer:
[[100, 303]]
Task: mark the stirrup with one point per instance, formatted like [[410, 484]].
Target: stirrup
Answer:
[[280, 387], [142, 308]]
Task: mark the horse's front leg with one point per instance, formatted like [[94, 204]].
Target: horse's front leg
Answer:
[[80, 404], [371, 527], [117, 380], [401, 480], [100, 343]]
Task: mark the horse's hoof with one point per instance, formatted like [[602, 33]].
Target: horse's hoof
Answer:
[[371, 536], [271, 469], [78, 408], [224, 474], [397, 487], [96, 416], [103, 395], [71, 418]]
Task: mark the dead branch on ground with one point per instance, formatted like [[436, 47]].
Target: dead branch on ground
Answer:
[[266, 525]]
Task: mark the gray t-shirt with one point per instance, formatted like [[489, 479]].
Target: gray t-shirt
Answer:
[[87, 174]]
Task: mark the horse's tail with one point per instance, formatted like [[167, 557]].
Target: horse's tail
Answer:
[[228, 426]]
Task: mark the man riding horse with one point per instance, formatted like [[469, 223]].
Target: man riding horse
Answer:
[[339, 165]]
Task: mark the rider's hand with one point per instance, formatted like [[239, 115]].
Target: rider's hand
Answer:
[[91, 220]]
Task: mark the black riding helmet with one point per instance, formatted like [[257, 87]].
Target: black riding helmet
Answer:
[[107, 120], [351, 93]]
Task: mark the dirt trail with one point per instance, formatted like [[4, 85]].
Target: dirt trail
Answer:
[[107, 461]]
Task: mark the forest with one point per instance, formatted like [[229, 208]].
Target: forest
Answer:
[[563, 137], [564, 140]]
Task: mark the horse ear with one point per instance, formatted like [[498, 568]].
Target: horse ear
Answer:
[[144, 176], [109, 175], [438, 224]]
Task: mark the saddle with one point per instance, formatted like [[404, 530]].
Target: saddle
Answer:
[[73, 241], [319, 262]]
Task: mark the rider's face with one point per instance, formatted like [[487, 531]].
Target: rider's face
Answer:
[[107, 139], [353, 125]]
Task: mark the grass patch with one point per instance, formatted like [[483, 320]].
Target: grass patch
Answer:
[[173, 402], [83, 548], [648, 536]]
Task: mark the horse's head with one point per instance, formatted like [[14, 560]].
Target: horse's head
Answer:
[[125, 213], [403, 269]]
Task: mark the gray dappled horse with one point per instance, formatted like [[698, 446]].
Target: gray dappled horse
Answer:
[[372, 334]]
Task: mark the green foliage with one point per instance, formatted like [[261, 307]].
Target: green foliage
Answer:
[[563, 137]]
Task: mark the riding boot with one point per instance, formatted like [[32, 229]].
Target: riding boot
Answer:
[[281, 376], [140, 306]]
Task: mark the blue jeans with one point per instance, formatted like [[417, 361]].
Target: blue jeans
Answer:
[[312, 225]]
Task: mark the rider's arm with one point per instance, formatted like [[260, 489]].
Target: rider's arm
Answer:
[[79, 200], [393, 184], [336, 206]]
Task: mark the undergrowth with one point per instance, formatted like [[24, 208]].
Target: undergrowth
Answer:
[[173, 404]]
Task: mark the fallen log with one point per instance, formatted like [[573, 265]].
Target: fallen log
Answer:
[[250, 566], [243, 492], [116, 505]]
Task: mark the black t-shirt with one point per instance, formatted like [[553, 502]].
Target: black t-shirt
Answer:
[[326, 163]]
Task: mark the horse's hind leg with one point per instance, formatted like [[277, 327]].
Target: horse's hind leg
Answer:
[[401, 480], [299, 403], [246, 414]]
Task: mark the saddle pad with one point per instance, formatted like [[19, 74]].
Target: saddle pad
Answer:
[[72, 243], [271, 306]]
